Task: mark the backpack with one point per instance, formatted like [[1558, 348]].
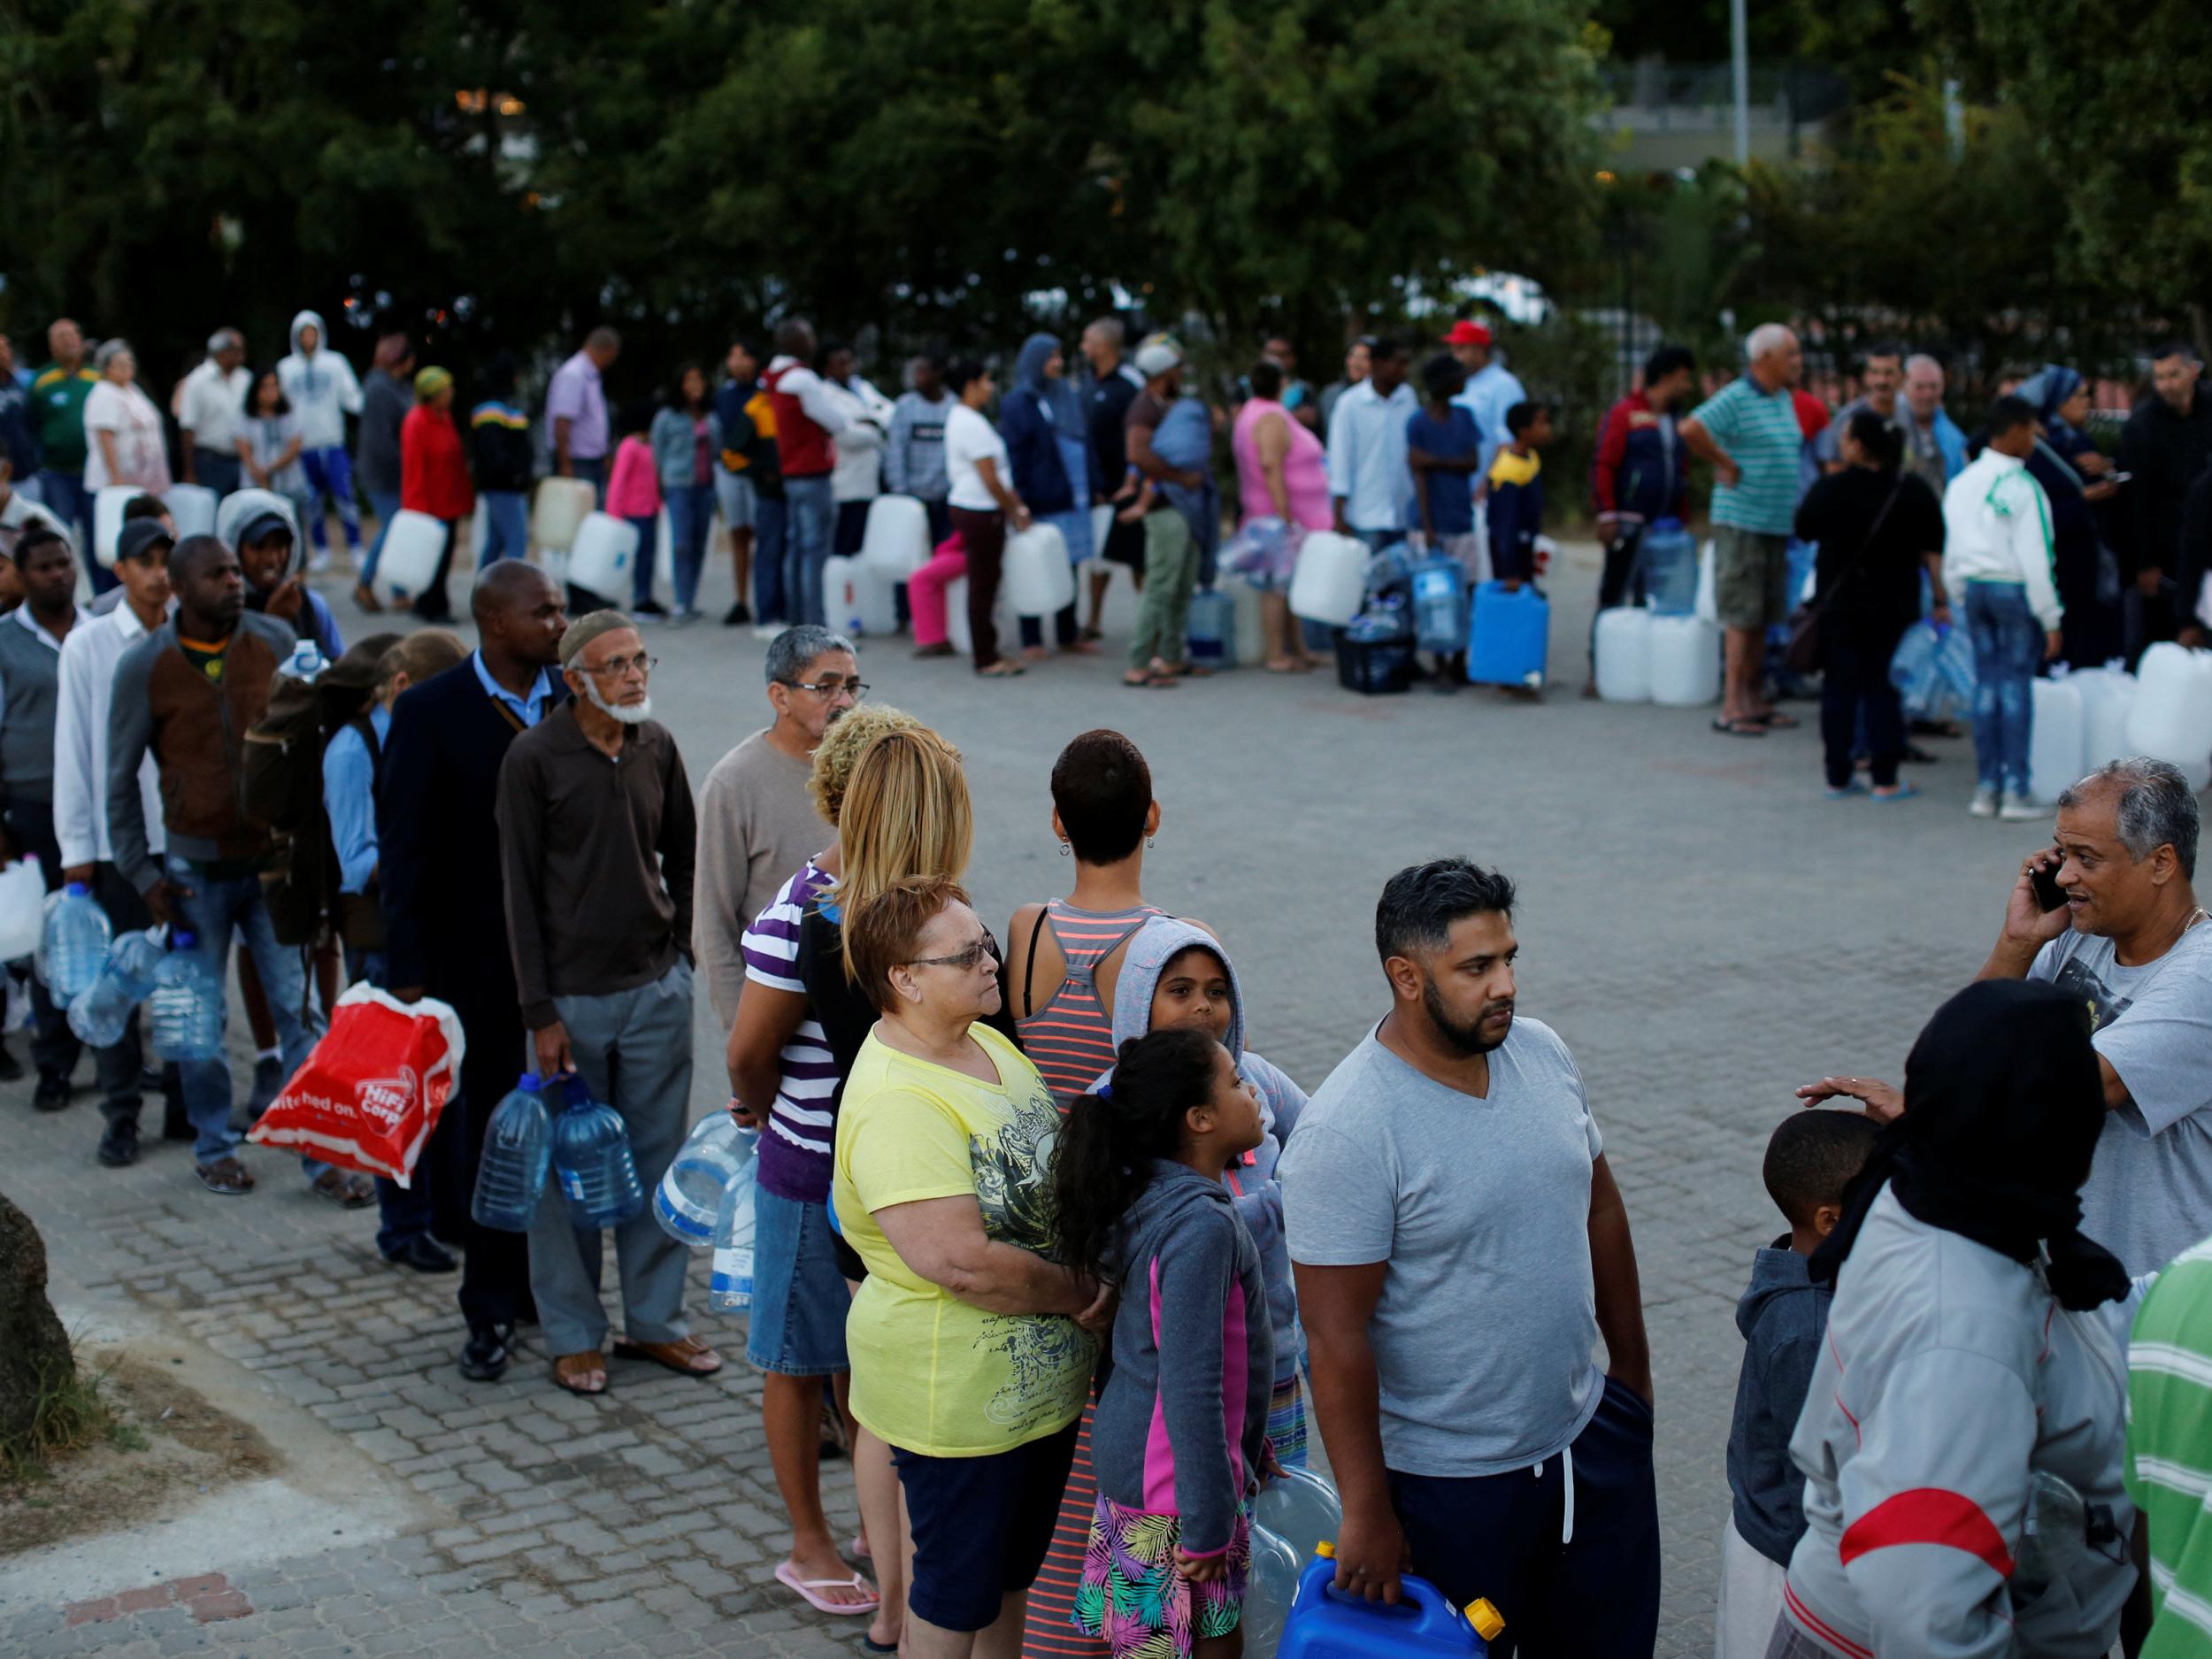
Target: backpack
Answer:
[[280, 787]]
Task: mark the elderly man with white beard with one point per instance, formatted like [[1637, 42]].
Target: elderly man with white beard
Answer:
[[599, 892]]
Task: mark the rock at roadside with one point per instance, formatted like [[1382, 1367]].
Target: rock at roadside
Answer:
[[34, 1355]]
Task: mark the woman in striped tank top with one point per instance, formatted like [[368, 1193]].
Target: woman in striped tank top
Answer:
[[1062, 957]]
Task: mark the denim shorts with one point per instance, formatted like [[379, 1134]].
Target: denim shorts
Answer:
[[734, 496], [981, 1525], [797, 1327]]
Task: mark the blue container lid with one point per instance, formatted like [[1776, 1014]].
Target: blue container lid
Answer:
[[528, 1082], [181, 939], [75, 889]]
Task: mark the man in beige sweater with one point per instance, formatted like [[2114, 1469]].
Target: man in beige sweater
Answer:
[[757, 822]]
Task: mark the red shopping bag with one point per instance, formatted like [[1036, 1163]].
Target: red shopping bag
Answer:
[[371, 1093]]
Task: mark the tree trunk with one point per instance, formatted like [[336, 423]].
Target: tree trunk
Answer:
[[33, 1348]]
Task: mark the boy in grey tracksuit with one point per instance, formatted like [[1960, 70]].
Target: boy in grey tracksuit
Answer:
[[1952, 1379]]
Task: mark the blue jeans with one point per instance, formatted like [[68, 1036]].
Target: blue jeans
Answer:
[[210, 913], [593, 470], [507, 525], [769, 603], [649, 533], [386, 505], [330, 472], [690, 516], [2008, 648], [65, 495], [810, 517], [218, 471]]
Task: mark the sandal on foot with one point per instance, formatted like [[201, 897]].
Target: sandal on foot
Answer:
[[365, 597], [226, 1177], [348, 1191], [1740, 727], [676, 1356], [570, 1369], [788, 1576]]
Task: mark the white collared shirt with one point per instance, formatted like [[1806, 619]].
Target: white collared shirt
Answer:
[[214, 407], [89, 656]]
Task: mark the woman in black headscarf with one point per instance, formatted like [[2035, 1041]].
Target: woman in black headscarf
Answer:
[[2069, 468], [1966, 1382]]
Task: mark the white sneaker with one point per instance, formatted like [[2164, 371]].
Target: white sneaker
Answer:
[[1985, 803], [2021, 808], [317, 563], [769, 630]]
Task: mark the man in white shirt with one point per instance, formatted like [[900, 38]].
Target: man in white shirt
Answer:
[[212, 410], [1369, 479], [1998, 559], [89, 656]]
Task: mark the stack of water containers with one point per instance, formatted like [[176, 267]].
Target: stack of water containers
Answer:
[[586, 1150], [99, 978], [706, 1199], [1663, 651]]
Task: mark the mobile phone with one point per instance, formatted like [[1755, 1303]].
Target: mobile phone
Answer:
[[2115, 478], [2048, 894]]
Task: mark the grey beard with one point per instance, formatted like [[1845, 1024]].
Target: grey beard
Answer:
[[633, 714]]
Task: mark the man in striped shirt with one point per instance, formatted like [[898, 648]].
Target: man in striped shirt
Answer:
[[2169, 1468], [1748, 432]]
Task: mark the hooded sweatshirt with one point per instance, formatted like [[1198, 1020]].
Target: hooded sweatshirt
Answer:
[[1997, 529], [1951, 1378], [237, 513], [1252, 1183], [1180, 1426], [320, 387], [1782, 1315]]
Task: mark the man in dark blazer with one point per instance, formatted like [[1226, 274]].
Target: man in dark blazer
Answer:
[[445, 924]]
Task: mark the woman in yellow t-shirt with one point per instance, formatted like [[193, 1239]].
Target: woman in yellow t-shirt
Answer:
[[971, 1351]]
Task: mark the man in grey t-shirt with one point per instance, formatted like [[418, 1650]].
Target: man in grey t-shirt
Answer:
[[1460, 1247], [2131, 939]]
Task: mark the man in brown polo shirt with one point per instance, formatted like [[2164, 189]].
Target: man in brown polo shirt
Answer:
[[596, 833]]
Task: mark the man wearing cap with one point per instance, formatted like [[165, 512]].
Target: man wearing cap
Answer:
[[84, 694], [599, 897], [186, 694], [445, 928], [1491, 391], [30, 675], [1170, 553], [213, 408]]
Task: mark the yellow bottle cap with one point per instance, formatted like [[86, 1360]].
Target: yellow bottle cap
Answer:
[[1486, 1618], [1326, 1549]]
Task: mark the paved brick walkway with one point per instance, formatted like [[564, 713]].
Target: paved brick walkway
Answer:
[[1702, 927]]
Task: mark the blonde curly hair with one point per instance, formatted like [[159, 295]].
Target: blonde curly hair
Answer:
[[842, 745]]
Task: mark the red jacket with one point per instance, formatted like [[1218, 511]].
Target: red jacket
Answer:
[[1642, 468], [434, 473], [803, 448]]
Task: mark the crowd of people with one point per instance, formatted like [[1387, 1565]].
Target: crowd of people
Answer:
[[997, 1170]]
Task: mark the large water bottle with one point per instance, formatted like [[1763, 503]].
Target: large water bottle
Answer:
[[306, 660], [729, 1280], [101, 1012], [1300, 1505], [592, 1162], [1270, 1585], [1668, 554], [185, 1007], [688, 1201], [72, 942], [511, 1174]]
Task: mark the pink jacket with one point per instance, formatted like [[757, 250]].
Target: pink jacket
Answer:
[[634, 487]]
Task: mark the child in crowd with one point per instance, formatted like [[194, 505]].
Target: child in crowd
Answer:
[[633, 494], [1517, 495], [1174, 973], [269, 441], [265, 536], [1444, 450], [1811, 1157], [1137, 1178]]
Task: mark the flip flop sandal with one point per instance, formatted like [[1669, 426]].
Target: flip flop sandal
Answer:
[[1740, 728], [670, 1355], [569, 1365], [1775, 720], [225, 1177], [788, 1576]]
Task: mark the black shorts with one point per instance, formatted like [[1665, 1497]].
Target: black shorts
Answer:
[[981, 1526]]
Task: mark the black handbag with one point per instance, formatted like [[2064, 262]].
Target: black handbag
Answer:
[[1807, 650]]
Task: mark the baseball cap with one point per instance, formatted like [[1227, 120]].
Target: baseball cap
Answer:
[[1157, 355], [137, 538], [1467, 332]]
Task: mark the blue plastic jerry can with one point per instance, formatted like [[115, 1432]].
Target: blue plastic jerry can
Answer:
[[1507, 644], [1326, 1623]]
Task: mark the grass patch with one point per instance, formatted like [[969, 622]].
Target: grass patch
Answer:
[[73, 1413]]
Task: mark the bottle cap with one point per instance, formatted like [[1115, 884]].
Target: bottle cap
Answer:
[[75, 889], [1326, 1549], [527, 1082], [180, 939], [1486, 1618]]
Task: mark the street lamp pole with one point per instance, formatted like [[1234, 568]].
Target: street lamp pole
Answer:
[[1740, 74]]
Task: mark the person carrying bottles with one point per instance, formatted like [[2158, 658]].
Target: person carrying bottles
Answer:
[[598, 893], [85, 691], [439, 873], [179, 691]]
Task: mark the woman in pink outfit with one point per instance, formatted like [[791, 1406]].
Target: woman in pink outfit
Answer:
[[1284, 493]]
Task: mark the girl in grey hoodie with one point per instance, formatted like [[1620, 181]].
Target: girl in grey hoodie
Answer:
[[1179, 1438]]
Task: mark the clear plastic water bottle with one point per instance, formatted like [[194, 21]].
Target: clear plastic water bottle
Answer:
[[688, 1201], [517, 1145], [1439, 605], [72, 945], [1668, 555], [306, 660], [592, 1162], [729, 1280], [1300, 1505], [101, 1012], [1270, 1588], [185, 1007]]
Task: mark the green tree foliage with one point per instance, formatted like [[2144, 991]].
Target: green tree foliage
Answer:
[[948, 171], [2115, 98]]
